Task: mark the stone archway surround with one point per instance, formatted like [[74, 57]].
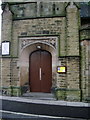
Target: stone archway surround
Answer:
[[29, 44]]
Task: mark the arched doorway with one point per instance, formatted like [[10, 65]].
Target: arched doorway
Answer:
[[40, 71]]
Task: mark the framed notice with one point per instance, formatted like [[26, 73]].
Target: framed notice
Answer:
[[61, 69], [6, 48]]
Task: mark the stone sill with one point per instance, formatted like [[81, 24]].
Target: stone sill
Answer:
[[41, 17]]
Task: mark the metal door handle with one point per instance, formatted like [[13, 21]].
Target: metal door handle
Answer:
[[40, 73]]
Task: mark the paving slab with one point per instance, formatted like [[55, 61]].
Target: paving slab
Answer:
[[53, 102]]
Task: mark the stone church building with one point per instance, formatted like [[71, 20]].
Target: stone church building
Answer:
[[45, 48]]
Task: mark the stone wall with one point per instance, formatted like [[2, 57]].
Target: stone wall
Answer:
[[72, 30], [69, 84], [37, 9], [85, 62], [38, 27], [5, 75], [65, 26], [9, 75], [6, 24], [5, 71]]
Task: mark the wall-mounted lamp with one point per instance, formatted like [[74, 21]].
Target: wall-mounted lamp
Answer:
[[38, 47]]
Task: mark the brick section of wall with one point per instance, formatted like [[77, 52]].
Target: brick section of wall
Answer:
[[6, 24], [67, 30], [6, 71], [0, 71], [61, 78], [14, 72], [42, 26], [85, 32], [69, 84], [85, 61], [63, 39], [72, 30], [73, 72], [9, 71], [85, 73], [38, 9], [71, 79], [9, 75]]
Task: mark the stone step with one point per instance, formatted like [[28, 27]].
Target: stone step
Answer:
[[41, 96]]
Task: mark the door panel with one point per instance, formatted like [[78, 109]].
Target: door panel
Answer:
[[34, 72], [46, 65], [40, 71]]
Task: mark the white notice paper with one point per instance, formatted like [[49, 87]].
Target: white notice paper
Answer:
[[5, 48]]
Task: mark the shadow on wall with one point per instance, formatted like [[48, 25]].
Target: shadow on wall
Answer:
[[25, 88]]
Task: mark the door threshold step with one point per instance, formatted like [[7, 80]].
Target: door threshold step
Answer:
[[39, 96]]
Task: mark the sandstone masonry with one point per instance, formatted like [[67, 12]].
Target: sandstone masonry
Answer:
[[56, 27]]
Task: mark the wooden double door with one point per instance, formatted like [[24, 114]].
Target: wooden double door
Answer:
[[40, 71]]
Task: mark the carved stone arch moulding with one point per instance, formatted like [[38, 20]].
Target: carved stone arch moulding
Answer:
[[27, 45], [25, 41]]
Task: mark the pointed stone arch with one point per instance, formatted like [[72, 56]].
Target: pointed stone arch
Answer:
[[24, 60]]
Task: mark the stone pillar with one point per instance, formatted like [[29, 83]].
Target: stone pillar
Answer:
[[72, 53], [72, 16], [85, 62], [6, 60], [6, 24]]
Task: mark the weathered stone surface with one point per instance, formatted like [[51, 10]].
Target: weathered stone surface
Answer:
[[85, 69], [37, 9], [56, 30], [72, 31]]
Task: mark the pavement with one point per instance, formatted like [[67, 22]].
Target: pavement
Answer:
[[44, 101], [38, 109]]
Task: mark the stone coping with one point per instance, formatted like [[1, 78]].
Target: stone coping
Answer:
[[53, 102]]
